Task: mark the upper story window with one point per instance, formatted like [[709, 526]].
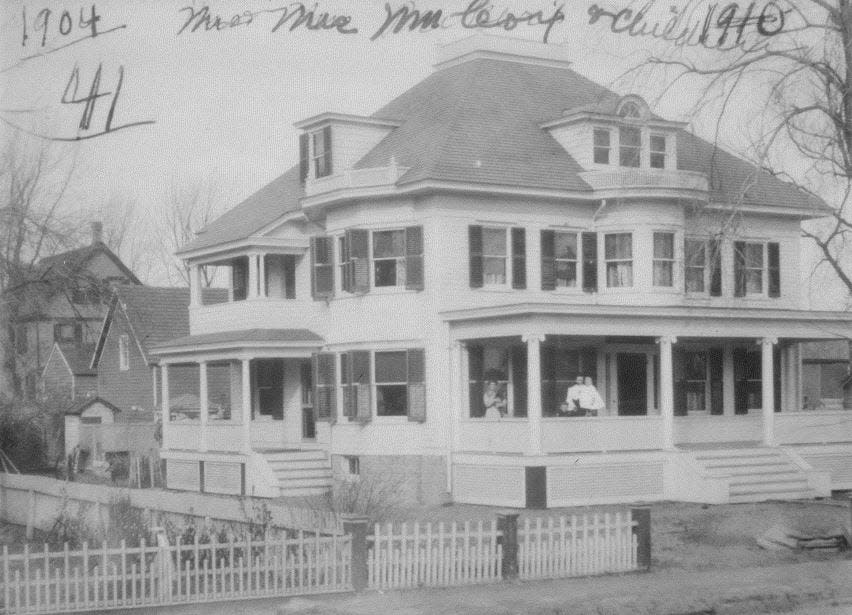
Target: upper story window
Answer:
[[664, 259], [389, 258], [123, 352], [391, 384], [315, 154], [494, 256], [497, 256], [566, 245], [601, 145], [757, 269], [658, 151], [618, 257], [630, 109], [569, 260], [695, 265], [630, 147]]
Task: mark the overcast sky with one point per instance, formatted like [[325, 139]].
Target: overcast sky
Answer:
[[219, 105]]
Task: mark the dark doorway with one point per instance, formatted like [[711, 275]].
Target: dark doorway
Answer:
[[632, 384]]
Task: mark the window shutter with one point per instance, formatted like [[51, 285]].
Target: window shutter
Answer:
[[475, 361], [590, 262], [416, 385], [414, 258], [326, 137], [346, 270], [715, 260], [774, 255], [519, 379], [716, 398], [322, 268], [678, 376], [325, 402], [346, 388], [548, 260], [474, 234], [304, 160], [358, 245], [519, 258], [361, 382], [740, 382], [739, 269]]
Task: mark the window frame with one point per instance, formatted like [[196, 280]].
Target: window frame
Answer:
[[705, 266], [763, 269], [318, 154], [627, 149], [607, 149], [577, 260], [607, 261], [374, 384], [652, 152], [705, 382], [123, 352], [507, 257], [399, 260], [671, 261]]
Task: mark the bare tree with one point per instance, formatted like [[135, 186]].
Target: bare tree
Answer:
[[34, 223], [188, 209], [795, 77]]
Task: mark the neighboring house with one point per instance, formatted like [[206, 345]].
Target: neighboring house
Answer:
[[825, 375], [68, 372], [508, 220], [106, 432], [138, 318], [69, 309]]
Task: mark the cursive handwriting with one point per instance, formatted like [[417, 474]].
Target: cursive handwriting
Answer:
[[291, 17], [723, 28], [478, 14]]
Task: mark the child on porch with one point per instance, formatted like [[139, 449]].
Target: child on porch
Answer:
[[494, 403]]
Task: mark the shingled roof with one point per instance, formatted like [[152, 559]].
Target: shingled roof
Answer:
[[480, 122], [155, 314], [73, 261]]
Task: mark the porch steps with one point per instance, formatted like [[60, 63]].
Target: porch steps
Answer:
[[300, 473], [756, 474]]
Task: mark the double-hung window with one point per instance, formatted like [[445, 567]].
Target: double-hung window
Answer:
[[618, 256], [494, 256], [664, 259], [123, 353], [754, 268], [389, 258], [601, 138], [565, 256], [391, 383], [320, 158], [695, 265], [658, 151], [757, 269], [630, 147]]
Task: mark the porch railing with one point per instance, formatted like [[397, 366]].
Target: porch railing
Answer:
[[611, 433]]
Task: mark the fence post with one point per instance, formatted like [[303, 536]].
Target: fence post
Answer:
[[507, 523], [642, 531], [31, 511], [356, 527], [163, 564]]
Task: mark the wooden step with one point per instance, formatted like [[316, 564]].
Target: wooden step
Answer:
[[301, 492], [296, 455], [308, 464], [767, 479], [762, 468], [763, 496], [288, 473]]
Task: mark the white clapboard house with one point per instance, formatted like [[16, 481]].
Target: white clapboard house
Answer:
[[508, 220]]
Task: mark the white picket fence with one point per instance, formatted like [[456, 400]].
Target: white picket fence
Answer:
[[108, 578], [415, 554], [576, 546]]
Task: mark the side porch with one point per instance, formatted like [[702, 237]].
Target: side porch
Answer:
[[238, 414], [693, 409]]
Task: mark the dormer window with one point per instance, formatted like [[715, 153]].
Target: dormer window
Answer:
[[315, 154], [602, 144], [630, 147], [630, 110], [658, 151]]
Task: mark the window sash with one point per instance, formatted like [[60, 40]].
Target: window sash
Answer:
[[601, 145], [658, 151], [754, 267], [664, 259], [630, 147], [318, 154], [695, 256], [566, 250]]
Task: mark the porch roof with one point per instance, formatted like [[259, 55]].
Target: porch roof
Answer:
[[275, 339], [632, 320]]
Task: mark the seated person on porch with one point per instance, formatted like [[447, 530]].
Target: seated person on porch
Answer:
[[590, 400], [582, 399], [571, 405], [493, 401]]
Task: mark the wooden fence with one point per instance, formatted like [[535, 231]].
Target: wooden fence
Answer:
[[577, 546], [108, 578], [414, 555]]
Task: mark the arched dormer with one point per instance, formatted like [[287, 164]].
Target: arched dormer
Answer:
[[633, 107]]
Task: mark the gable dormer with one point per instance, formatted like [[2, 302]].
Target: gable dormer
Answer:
[[331, 143], [617, 133]]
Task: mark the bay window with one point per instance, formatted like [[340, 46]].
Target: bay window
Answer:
[[601, 145], [618, 256], [664, 259]]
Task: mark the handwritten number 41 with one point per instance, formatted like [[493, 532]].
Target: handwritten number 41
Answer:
[[94, 94]]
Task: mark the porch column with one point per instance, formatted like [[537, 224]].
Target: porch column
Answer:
[[195, 286], [667, 389], [533, 342], [458, 390], [767, 383], [164, 398], [202, 402], [246, 391], [252, 276], [261, 279]]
